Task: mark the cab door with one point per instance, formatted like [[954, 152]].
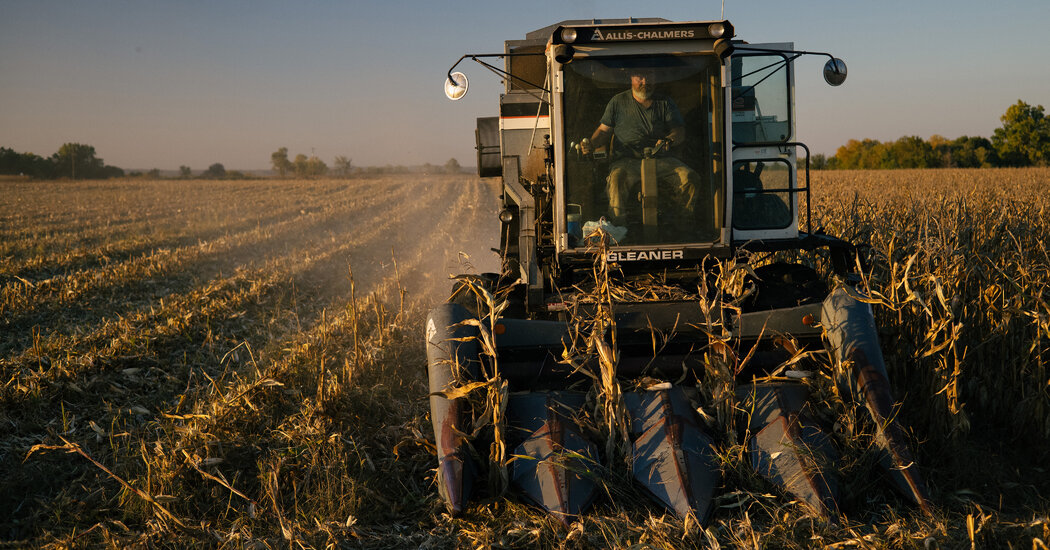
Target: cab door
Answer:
[[764, 202]]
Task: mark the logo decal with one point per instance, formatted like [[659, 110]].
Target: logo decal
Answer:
[[641, 34], [634, 256], [431, 331]]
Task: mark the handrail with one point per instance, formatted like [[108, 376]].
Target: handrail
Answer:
[[809, 202]]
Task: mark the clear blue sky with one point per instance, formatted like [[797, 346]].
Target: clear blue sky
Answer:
[[161, 84]]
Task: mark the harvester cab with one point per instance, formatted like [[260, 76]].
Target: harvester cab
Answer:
[[662, 150]]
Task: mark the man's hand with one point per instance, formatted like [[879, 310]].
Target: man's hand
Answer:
[[600, 138]]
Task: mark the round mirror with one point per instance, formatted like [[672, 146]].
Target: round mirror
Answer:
[[456, 86], [835, 71]]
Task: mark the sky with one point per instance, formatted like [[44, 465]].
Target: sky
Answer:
[[160, 84]]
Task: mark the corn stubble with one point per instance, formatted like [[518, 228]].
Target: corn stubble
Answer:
[[242, 363]]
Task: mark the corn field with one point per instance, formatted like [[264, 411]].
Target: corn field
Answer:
[[205, 364]]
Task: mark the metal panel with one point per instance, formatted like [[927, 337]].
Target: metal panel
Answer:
[[554, 465], [673, 458], [855, 344], [486, 136]]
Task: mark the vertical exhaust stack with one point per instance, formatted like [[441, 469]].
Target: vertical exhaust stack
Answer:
[[854, 344]]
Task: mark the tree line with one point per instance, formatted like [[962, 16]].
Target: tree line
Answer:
[[1022, 140], [305, 167], [72, 160]]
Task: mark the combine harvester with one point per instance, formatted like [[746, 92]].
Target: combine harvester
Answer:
[[652, 151]]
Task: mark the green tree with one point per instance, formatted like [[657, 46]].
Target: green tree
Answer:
[[216, 170], [343, 166], [818, 162], [300, 165], [909, 152], [185, 172], [280, 162], [316, 167], [941, 148], [25, 164], [973, 152], [77, 161], [1024, 138], [452, 166]]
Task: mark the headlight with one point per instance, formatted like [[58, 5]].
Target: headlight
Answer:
[[716, 30], [568, 35]]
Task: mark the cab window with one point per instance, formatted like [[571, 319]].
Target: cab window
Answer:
[[642, 148]]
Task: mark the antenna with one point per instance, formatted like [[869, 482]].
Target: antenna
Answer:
[[723, 10]]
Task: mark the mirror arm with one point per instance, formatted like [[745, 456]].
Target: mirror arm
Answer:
[[496, 70], [796, 52]]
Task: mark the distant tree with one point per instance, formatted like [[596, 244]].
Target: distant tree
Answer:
[[864, 154], [941, 148], [343, 166], [973, 152], [300, 165], [216, 170], [1024, 138], [111, 172], [280, 162], [818, 162], [77, 161], [185, 172], [909, 152], [316, 167], [25, 164], [154, 173], [452, 166]]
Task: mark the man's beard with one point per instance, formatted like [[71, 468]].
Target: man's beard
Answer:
[[642, 94]]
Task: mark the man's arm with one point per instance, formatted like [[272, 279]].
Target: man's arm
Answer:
[[677, 136], [600, 138]]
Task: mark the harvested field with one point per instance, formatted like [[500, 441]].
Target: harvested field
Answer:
[[200, 363]]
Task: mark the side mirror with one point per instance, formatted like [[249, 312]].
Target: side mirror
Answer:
[[455, 86], [835, 71]]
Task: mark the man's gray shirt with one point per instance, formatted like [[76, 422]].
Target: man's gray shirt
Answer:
[[638, 127]]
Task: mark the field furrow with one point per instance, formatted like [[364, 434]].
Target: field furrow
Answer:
[[93, 294], [35, 257]]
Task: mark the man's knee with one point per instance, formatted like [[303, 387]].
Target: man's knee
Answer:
[[617, 177], [687, 178]]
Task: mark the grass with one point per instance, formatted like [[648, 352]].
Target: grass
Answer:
[[199, 364]]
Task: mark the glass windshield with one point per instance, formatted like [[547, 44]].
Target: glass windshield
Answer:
[[644, 148], [761, 106]]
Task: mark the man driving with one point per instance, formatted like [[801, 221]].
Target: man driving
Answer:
[[643, 119]]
